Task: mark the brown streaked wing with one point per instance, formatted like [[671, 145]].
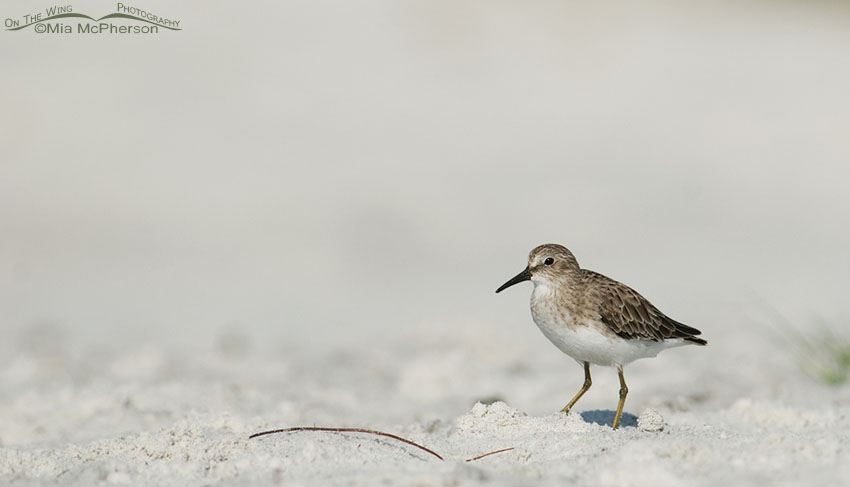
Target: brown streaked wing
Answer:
[[630, 315]]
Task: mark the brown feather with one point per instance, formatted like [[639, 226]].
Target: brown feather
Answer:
[[630, 315]]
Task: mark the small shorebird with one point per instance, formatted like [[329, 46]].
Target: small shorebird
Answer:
[[595, 319]]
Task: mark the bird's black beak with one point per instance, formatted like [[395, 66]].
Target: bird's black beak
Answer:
[[522, 276]]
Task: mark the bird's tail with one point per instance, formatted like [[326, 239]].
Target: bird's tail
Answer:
[[688, 333]]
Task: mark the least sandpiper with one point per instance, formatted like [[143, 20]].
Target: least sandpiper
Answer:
[[595, 319]]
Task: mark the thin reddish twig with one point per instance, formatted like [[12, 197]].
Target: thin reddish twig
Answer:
[[479, 457], [348, 430]]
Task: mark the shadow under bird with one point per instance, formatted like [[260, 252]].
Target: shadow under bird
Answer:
[[595, 319]]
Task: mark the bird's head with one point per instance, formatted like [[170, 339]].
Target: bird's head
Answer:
[[546, 263]]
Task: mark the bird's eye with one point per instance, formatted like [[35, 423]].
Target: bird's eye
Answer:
[[549, 261]]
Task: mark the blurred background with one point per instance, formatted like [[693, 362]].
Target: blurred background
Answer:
[[344, 174]]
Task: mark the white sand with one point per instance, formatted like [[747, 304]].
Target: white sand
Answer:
[[71, 415], [296, 213]]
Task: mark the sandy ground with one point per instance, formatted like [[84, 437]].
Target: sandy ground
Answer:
[[75, 414], [296, 214]]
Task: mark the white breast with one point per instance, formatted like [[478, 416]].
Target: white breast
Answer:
[[581, 337]]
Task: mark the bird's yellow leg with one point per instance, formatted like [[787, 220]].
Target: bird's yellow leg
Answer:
[[623, 392], [581, 392]]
